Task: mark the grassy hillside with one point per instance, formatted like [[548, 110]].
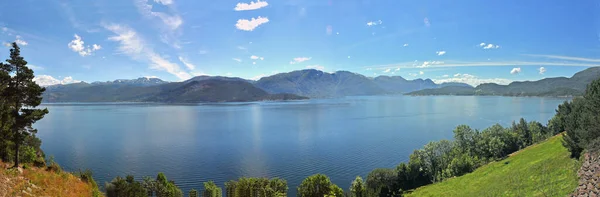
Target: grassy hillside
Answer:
[[544, 169], [40, 182]]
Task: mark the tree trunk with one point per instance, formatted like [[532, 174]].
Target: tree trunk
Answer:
[[17, 146]]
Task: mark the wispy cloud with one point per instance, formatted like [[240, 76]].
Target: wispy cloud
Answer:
[[483, 45], [254, 57], [300, 60], [78, 45], [47, 80], [515, 70], [173, 21], [251, 6], [405, 45], [560, 57], [164, 2], [421, 72], [542, 70], [257, 77], [440, 53], [450, 64], [471, 79], [250, 25], [387, 70], [187, 63], [373, 23], [34, 67], [429, 63], [134, 46], [237, 59]]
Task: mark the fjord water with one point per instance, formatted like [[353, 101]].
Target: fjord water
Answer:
[[341, 138]]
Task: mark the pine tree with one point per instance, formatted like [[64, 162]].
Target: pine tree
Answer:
[[21, 96]]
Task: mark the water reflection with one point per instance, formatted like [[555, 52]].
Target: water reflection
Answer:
[[342, 138]]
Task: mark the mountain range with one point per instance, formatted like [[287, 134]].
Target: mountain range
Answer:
[[300, 84], [556, 86]]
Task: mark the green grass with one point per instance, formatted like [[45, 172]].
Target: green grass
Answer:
[[543, 169]]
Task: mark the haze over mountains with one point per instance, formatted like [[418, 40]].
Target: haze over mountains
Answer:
[[301, 84], [557, 86]]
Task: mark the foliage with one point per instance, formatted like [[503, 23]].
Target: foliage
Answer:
[[541, 170], [580, 119], [256, 187], [20, 95], [159, 187], [193, 193], [358, 188], [211, 190], [318, 185]]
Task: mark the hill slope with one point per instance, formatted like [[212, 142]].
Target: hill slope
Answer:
[[199, 89], [544, 169], [557, 86], [40, 182]]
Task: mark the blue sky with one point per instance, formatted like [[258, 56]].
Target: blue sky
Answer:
[[469, 41]]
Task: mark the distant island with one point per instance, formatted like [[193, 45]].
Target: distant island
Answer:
[[557, 86]]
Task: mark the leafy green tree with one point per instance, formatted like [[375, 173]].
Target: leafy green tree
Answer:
[[523, 132], [358, 188], [211, 190], [193, 193], [230, 187], [318, 185], [21, 95], [382, 182], [580, 119], [127, 187]]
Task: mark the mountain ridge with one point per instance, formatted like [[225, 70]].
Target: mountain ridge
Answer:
[[554, 86]]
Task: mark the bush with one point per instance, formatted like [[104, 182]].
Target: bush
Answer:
[[318, 185], [53, 166]]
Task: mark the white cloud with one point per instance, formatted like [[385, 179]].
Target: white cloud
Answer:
[[242, 48], [429, 63], [164, 2], [488, 46], [254, 63], [255, 78], [47, 80], [203, 52], [254, 57], [134, 46], [412, 74], [199, 74], [20, 41], [250, 25], [542, 70], [446, 76], [440, 52], [6, 44], [34, 67], [387, 70], [300, 60], [471, 80], [96, 47], [515, 70], [397, 69], [251, 6], [421, 72], [317, 67], [187, 63], [78, 45], [373, 23], [170, 21], [237, 59], [405, 45]]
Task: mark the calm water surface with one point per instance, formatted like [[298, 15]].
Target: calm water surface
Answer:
[[341, 138]]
